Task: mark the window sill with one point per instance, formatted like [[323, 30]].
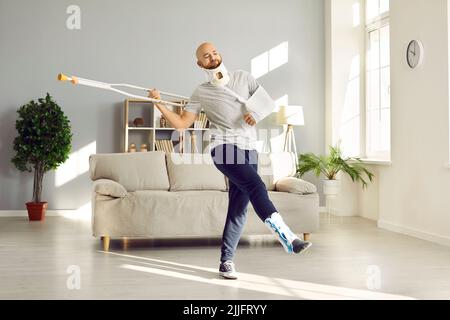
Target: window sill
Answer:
[[377, 162]]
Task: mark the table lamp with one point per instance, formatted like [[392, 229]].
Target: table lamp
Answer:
[[292, 116]]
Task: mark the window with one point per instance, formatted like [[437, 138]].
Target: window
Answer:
[[378, 105]]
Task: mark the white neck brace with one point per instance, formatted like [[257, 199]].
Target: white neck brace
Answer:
[[218, 76]]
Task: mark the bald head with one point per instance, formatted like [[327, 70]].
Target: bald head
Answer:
[[207, 56], [204, 48]]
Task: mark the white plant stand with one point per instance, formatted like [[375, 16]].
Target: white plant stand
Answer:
[[331, 190]]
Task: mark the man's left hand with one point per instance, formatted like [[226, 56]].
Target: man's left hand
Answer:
[[249, 119]]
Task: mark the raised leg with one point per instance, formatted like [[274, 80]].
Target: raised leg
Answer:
[[105, 242], [306, 236]]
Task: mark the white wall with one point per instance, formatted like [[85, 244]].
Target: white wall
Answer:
[[411, 195], [368, 199], [414, 191]]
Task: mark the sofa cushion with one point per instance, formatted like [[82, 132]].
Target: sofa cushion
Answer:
[[110, 188], [194, 171], [295, 185], [134, 171], [274, 166]]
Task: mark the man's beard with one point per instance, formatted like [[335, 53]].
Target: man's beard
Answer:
[[215, 65]]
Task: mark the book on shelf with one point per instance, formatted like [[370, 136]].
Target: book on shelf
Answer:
[[169, 146], [201, 121], [164, 145]]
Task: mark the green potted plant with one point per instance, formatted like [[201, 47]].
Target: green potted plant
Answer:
[[330, 166], [43, 143]]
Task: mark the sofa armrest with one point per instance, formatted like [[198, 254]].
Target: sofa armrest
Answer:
[[109, 187], [295, 185]]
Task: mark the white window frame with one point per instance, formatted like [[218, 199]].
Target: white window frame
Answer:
[[376, 23]]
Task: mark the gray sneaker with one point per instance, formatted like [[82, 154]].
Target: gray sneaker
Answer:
[[227, 270], [300, 246]]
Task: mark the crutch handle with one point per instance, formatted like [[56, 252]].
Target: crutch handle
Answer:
[[63, 77]]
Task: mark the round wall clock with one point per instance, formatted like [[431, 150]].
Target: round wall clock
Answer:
[[414, 53]]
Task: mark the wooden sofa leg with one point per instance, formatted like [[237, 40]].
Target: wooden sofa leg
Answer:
[[306, 236], [125, 243], [105, 242]]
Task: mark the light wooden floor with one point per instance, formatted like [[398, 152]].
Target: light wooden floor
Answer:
[[350, 258]]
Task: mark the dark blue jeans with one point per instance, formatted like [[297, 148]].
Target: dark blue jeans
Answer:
[[245, 185]]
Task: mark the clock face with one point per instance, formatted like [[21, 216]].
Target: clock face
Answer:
[[414, 53]]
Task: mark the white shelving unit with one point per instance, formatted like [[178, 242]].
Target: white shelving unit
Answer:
[[151, 131]]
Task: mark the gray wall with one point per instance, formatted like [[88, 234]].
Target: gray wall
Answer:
[[148, 43]]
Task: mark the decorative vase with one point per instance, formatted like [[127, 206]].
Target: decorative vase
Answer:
[[138, 122], [36, 210], [162, 122]]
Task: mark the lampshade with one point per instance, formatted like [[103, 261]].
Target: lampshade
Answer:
[[292, 115]]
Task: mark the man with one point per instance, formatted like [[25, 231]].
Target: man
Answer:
[[233, 149]]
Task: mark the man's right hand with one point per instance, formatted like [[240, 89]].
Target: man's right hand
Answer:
[[175, 120], [154, 94]]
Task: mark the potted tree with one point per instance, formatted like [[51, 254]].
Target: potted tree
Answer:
[[330, 166], [43, 143]]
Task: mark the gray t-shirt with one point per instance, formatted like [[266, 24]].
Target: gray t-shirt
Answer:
[[224, 112]]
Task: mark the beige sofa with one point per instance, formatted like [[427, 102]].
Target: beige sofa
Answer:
[[164, 195]]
